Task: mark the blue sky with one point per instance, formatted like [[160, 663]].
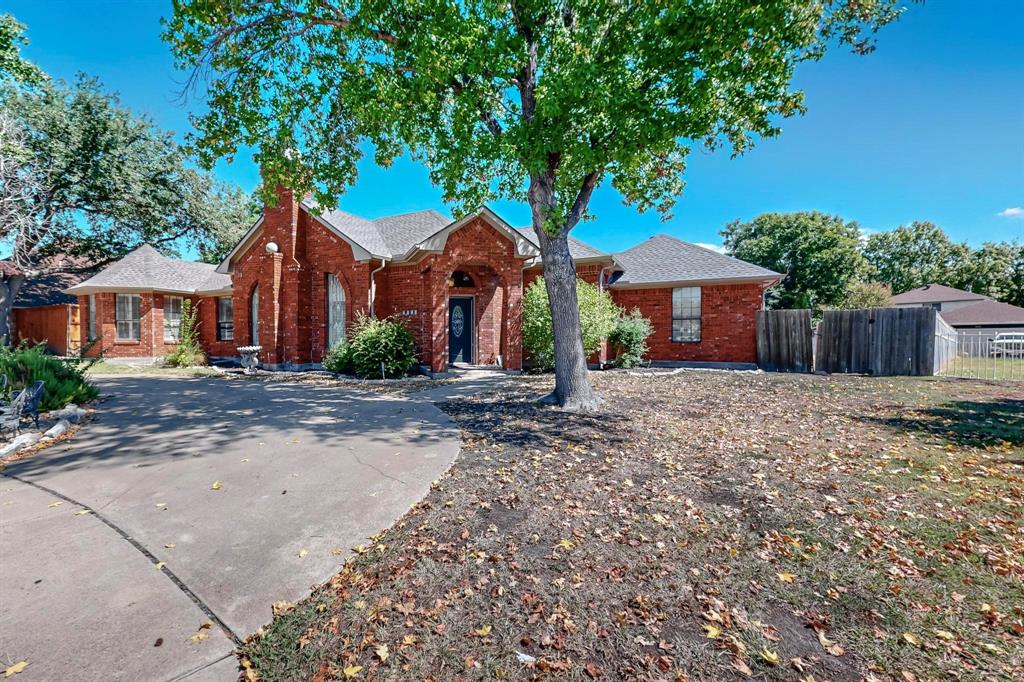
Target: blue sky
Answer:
[[929, 127]]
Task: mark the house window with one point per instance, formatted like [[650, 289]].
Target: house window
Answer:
[[172, 319], [254, 316], [335, 311], [686, 314], [225, 319], [92, 317], [126, 317]]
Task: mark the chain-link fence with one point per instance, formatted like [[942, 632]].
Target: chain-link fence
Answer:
[[983, 355]]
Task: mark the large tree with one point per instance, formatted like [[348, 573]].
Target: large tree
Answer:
[[818, 253], [536, 100], [82, 175], [914, 255], [12, 65]]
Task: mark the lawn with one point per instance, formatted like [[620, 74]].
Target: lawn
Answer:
[[708, 526], [986, 367], [103, 368]]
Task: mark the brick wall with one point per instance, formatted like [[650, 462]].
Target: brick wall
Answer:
[[208, 330], [728, 322], [151, 342]]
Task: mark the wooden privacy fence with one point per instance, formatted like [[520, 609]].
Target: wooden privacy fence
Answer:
[[784, 341], [876, 341], [55, 325]]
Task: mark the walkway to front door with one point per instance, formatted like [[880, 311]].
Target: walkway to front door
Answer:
[[460, 329]]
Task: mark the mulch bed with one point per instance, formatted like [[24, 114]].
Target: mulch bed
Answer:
[[705, 526]]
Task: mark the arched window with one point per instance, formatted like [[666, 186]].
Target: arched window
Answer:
[[335, 311], [254, 316], [461, 278]]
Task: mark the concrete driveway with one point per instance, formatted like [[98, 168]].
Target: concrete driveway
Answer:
[[304, 473]]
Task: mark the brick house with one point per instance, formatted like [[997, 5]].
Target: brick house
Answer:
[[296, 281], [132, 309]]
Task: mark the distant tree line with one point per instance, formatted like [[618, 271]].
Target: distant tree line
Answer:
[[829, 263]]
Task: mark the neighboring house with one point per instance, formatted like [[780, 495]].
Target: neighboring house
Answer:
[[44, 313], [937, 296], [132, 309], [976, 318], [296, 281], [988, 317]]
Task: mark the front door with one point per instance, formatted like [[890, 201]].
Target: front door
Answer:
[[460, 330]]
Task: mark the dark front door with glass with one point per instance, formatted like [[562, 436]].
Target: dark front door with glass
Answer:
[[460, 330]]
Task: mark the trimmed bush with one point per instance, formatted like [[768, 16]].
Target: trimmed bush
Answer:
[[64, 378], [339, 358], [629, 339], [381, 346], [189, 352], [598, 314]]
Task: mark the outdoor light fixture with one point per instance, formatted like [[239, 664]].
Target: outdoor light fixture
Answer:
[[271, 247]]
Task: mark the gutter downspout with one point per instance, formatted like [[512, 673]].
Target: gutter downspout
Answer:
[[373, 288]]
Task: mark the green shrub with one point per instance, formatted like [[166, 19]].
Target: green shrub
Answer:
[[598, 314], [629, 339], [339, 358], [189, 352], [386, 343], [64, 378]]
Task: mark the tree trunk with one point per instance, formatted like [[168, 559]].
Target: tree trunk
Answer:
[[9, 287], [572, 384]]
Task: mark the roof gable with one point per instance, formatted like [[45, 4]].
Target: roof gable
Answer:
[[663, 259], [146, 269], [936, 293]]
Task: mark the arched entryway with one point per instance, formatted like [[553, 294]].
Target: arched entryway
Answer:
[[476, 316]]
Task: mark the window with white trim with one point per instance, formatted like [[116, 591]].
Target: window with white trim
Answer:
[[92, 318], [686, 314], [225, 319], [172, 318], [126, 317], [335, 311]]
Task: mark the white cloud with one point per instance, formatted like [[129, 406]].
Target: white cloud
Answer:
[[714, 247], [1012, 212]]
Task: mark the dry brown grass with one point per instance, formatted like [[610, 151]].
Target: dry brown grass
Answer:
[[708, 526]]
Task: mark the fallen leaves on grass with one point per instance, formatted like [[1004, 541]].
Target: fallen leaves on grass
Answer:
[[712, 525]]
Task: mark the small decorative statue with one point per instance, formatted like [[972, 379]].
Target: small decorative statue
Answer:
[[250, 358]]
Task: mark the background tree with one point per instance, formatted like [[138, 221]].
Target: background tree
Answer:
[[818, 253], [1015, 287], [988, 270], [12, 65], [84, 176], [860, 294], [535, 100], [914, 255]]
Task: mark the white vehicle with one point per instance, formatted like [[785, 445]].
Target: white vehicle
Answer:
[[1008, 345]]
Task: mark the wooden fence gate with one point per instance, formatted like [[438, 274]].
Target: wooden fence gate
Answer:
[[878, 341], [785, 341]]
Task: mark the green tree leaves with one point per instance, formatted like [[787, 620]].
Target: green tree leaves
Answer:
[[818, 253], [12, 65]]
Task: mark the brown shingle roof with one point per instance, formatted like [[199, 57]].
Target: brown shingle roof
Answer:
[[936, 293], [987, 312]]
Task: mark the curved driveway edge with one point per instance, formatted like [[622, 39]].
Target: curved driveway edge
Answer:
[[305, 473]]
